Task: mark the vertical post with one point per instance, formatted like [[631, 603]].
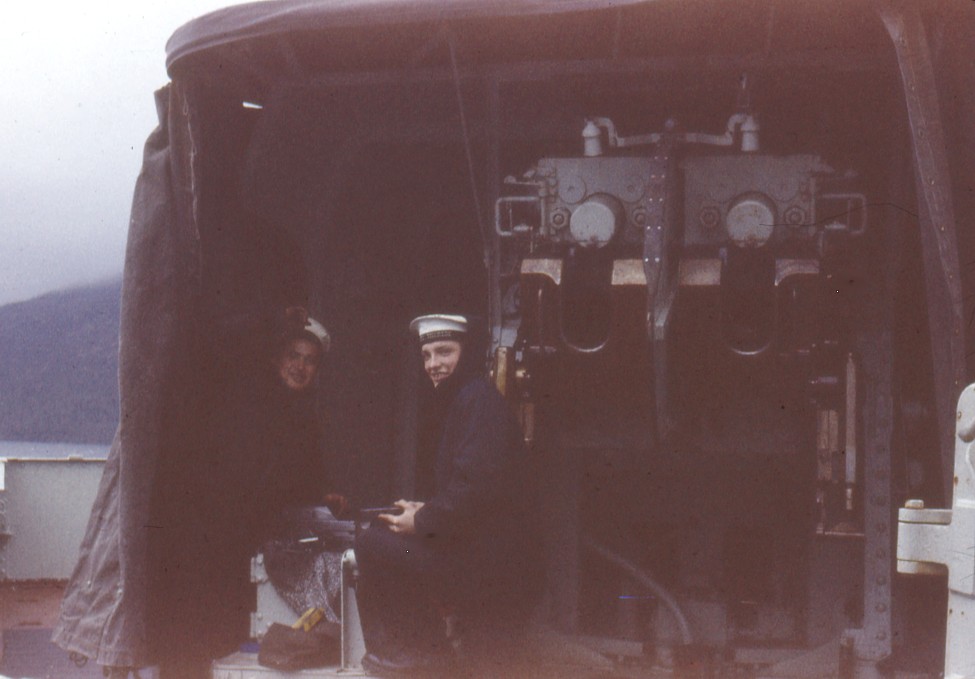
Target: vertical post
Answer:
[[959, 647], [872, 643], [939, 241], [850, 420], [870, 371], [933, 541], [353, 645]]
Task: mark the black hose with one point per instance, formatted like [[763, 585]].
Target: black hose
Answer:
[[642, 577]]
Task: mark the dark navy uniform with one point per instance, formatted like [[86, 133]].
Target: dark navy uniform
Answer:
[[474, 551]]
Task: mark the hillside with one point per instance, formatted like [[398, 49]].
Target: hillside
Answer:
[[59, 365]]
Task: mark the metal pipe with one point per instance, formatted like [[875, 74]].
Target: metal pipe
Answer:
[[645, 579], [851, 430], [353, 645], [744, 123]]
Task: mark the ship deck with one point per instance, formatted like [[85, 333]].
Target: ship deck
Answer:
[[29, 610]]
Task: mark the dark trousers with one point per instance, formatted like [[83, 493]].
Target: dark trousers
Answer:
[[406, 584], [402, 583]]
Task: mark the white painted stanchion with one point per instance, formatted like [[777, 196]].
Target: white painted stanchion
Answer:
[[931, 541]]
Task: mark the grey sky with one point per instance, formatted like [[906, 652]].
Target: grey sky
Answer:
[[78, 82]]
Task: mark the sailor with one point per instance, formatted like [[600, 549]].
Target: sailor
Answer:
[[281, 430], [465, 544], [263, 456]]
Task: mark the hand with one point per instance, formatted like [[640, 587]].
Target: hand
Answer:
[[402, 523], [338, 504]]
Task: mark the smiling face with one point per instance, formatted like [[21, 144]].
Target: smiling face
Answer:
[[298, 363], [440, 359]]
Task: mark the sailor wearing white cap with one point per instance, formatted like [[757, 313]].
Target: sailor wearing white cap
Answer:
[[467, 538], [260, 454], [438, 327], [440, 337], [299, 357], [318, 331]]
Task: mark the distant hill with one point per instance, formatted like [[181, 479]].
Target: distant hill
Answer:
[[59, 365]]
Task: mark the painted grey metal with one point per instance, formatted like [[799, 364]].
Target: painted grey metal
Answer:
[[872, 643], [353, 643], [43, 512], [923, 539], [930, 541], [939, 240], [715, 183], [271, 608]]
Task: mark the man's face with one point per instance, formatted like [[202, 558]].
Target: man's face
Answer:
[[298, 364], [440, 359]]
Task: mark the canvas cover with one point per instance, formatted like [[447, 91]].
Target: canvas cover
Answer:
[[261, 19], [103, 611]]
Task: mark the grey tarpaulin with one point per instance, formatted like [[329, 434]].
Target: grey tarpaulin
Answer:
[[103, 614], [262, 19]]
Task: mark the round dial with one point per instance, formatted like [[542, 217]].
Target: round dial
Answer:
[[750, 221], [593, 224]]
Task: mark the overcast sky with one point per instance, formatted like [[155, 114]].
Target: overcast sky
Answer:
[[77, 82]]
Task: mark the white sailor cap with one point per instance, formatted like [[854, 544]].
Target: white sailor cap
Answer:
[[433, 327], [318, 331]]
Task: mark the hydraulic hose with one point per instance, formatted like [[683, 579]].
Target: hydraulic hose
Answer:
[[644, 578]]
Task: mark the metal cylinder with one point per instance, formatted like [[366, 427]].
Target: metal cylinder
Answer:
[[591, 142], [353, 644]]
